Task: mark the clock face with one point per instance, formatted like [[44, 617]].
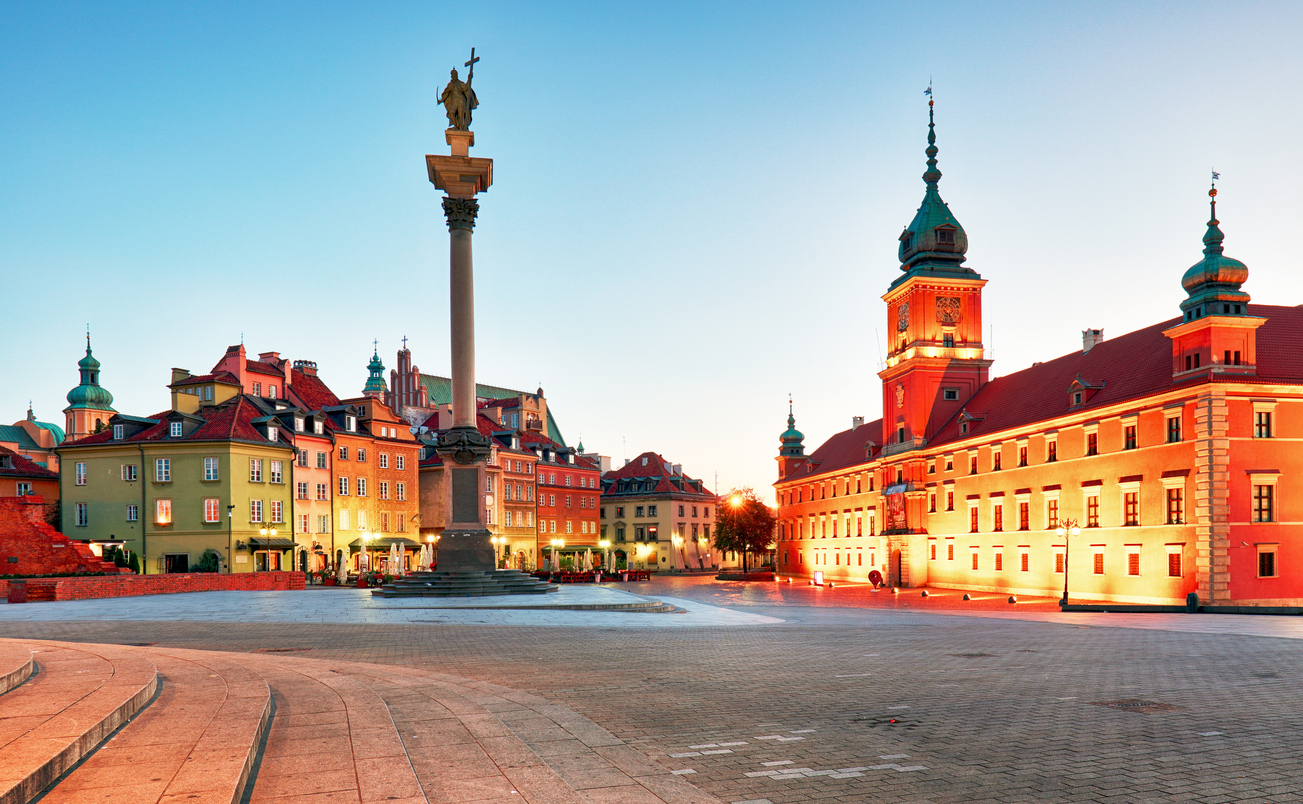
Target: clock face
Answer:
[[902, 317], [948, 309]]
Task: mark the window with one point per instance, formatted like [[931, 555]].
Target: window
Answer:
[[305, 523], [999, 559], [273, 434], [129, 472], [343, 520], [162, 512], [1262, 427], [1174, 562], [1173, 429], [255, 510], [1092, 511], [996, 455], [133, 513], [1131, 508], [361, 520], [361, 487], [932, 503], [257, 389], [1051, 451], [932, 551], [401, 491], [950, 548], [361, 455], [651, 510], [302, 457], [343, 486], [255, 470], [162, 470], [174, 429], [1058, 561], [277, 511], [298, 425], [1076, 395], [321, 460], [1024, 515], [1263, 503], [323, 523], [117, 432], [350, 424], [567, 501], [972, 519], [974, 560], [1129, 437], [1022, 456], [302, 489], [950, 394], [24, 489], [1133, 561], [998, 511], [83, 517], [343, 453], [323, 491], [619, 511], [384, 489], [637, 511], [402, 523], [277, 472], [948, 341], [567, 480], [1267, 561], [1092, 443], [551, 502], [400, 463], [1097, 562], [384, 460], [212, 511], [972, 465], [1175, 506], [950, 464], [680, 510], [271, 391], [950, 501], [81, 473], [1052, 513]]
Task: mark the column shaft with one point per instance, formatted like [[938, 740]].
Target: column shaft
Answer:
[[462, 321]]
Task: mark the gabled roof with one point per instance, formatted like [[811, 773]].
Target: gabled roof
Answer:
[[847, 448], [635, 478], [17, 435], [22, 467], [230, 421], [225, 377], [311, 392], [259, 367]]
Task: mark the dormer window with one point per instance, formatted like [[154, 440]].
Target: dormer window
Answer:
[[945, 235], [318, 427], [174, 430], [1076, 397], [273, 433], [271, 392], [350, 423], [906, 240], [117, 432], [208, 393], [298, 423]]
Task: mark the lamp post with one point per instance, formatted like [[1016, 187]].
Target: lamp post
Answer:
[[605, 544], [557, 544], [264, 531], [230, 534], [1067, 528], [677, 541], [497, 542]]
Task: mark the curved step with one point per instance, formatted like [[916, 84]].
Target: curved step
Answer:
[[81, 695], [197, 742], [15, 665]]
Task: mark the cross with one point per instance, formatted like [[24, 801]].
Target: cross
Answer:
[[376, 344], [471, 65], [404, 341]]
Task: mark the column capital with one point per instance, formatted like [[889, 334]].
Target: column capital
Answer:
[[461, 212]]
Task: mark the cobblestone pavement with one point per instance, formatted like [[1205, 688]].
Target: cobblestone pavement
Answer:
[[853, 704]]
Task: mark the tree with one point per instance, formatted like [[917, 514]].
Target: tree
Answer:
[[744, 524], [133, 563]]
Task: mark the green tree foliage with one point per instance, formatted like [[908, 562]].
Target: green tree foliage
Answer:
[[744, 524], [208, 562], [134, 563]]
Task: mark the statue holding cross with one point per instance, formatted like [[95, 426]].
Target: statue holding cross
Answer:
[[459, 99]]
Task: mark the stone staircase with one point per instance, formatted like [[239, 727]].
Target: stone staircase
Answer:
[[466, 584], [148, 725]]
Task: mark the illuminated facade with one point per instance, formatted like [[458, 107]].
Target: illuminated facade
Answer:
[[1171, 447]]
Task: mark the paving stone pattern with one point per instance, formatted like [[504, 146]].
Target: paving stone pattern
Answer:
[[864, 705]]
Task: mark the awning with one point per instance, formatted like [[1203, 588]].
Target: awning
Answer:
[[385, 542], [272, 543]]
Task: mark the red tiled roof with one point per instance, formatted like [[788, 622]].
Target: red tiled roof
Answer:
[[20, 466], [656, 466], [847, 448], [220, 376], [259, 367], [310, 391], [230, 420]]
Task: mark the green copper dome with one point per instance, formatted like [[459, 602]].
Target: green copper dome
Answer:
[[934, 242], [375, 383], [1213, 283], [792, 439], [89, 394]]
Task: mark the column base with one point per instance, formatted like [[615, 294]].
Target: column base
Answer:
[[465, 551]]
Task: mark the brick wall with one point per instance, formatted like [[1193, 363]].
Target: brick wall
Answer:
[[133, 585], [29, 546]]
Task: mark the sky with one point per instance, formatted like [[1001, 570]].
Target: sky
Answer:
[[695, 207]]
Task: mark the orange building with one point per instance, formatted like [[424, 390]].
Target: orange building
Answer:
[[1139, 469]]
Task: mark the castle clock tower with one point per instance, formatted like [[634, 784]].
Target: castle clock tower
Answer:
[[935, 360]]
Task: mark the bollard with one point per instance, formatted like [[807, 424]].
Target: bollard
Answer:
[[1192, 603], [895, 591], [967, 596], [1013, 599], [924, 593]]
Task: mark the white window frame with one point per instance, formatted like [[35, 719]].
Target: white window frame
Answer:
[[162, 470], [255, 511], [255, 470], [81, 473], [83, 515], [277, 472], [212, 510], [400, 463], [384, 460], [175, 429], [129, 472], [400, 490], [118, 431], [343, 486], [212, 469], [162, 511], [133, 512], [361, 487]]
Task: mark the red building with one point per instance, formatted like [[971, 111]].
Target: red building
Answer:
[[567, 492], [1168, 449]]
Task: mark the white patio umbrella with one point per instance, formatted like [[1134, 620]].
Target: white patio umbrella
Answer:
[[393, 558], [588, 559]]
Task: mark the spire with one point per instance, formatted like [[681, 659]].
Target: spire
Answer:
[[934, 242], [1213, 284], [792, 441], [88, 393], [375, 382]]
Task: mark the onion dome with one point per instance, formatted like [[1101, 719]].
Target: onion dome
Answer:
[[934, 242], [89, 394], [793, 440], [1213, 283], [375, 383]]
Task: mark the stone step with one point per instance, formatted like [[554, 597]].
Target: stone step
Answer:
[[469, 584], [197, 742], [78, 697], [15, 665]]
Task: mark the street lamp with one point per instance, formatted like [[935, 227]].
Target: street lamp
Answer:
[[497, 540], [265, 531], [557, 544], [1067, 527], [230, 534], [605, 544]]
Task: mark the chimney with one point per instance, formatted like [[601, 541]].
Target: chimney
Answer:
[[269, 357], [308, 367], [857, 422], [1090, 338], [626, 461], [677, 469]]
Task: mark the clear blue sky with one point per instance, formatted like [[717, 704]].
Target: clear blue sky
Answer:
[[695, 209]]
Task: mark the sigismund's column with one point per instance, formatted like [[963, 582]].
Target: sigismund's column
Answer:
[[464, 545]]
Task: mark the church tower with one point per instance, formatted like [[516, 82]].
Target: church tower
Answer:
[[375, 383], [935, 359], [791, 452], [1216, 334], [89, 405]]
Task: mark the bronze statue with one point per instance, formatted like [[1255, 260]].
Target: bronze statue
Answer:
[[459, 99]]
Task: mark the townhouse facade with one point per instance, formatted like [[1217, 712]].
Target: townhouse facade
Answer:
[[656, 517]]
